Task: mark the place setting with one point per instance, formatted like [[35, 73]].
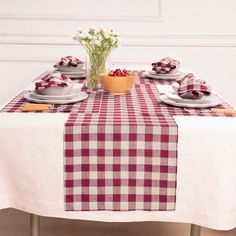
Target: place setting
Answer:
[[72, 67], [191, 92], [56, 89], [164, 69]]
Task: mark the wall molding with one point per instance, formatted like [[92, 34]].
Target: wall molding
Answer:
[[203, 36], [48, 60], [65, 17], [28, 17], [128, 40]]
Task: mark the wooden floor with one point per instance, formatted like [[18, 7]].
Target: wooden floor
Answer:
[[16, 223]]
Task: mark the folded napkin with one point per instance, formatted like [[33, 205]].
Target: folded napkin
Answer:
[[165, 65], [68, 61], [53, 79], [192, 88], [35, 107]]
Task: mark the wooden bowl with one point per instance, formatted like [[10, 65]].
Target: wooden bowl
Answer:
[[115, 85]]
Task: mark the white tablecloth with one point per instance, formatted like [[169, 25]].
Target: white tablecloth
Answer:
[[31, 171]]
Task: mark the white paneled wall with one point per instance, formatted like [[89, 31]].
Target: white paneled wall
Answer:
[[201, 34]]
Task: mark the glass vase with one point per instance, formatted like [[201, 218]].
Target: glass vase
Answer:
[[97, 64]]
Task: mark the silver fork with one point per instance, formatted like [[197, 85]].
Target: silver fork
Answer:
[[197, 111], [61, 108]]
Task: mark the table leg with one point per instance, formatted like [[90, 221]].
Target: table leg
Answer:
[[34, 225], [195, 230]]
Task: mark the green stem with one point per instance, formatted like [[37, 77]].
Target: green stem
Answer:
[[97, 63]]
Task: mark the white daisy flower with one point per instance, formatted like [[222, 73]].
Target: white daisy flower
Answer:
[[101, 28], [106, 36], [97, 43], [80, 30]]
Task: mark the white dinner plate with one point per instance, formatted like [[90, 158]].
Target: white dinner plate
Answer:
[[148, 75], [79, 97], [174, 74], [73, 72], [78, 76], [212, 103], [76, 90], [204, 99], [77, 68]]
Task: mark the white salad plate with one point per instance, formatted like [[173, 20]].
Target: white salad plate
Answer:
[[163, 77], [73, 72], [210, 103], [77, 68], [76, 76], [79, 97], [204, 99], [72, 94], [171, 74]]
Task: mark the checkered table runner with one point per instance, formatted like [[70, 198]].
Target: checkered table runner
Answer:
[[120, 152]]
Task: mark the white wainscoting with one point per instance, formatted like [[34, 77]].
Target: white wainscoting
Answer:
[[201, 34]]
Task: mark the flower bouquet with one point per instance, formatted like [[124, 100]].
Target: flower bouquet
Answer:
[[98, 44]]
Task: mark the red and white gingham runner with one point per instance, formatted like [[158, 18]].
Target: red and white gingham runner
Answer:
[[120, 151]]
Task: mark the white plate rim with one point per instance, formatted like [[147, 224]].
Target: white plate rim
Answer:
[[148, 75], [202, 100], [76, 76], [164, 99], [70, 68], [73, 73], [176, 74], [72, 94], [83, 96]]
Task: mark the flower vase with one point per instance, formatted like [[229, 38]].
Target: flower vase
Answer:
[[95, 67], [98, 44]]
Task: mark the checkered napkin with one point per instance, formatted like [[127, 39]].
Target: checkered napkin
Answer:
[[68, 61], [165, 65], [192, 88], [54, 79]]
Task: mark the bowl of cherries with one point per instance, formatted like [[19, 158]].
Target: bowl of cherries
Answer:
[[118, 82]]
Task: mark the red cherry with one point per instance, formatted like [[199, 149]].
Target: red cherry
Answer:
[[119, 73]]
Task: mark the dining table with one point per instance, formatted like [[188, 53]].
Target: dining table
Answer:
[[50, 160]]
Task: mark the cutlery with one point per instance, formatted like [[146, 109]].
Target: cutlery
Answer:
[[197, 111], [215, 110], [62, 108], [35, 107], [224, 111], [45, 107]]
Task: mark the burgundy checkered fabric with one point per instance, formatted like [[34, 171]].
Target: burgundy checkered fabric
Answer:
[[69, 61], [52, 79], [121, 152], [19, 101], [165, 65], [191, 87]]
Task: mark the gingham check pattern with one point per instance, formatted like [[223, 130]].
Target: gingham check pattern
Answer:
[[52, 79], [19, 101], [165, 65], [121, 152], [68, 61], [190, 86]]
